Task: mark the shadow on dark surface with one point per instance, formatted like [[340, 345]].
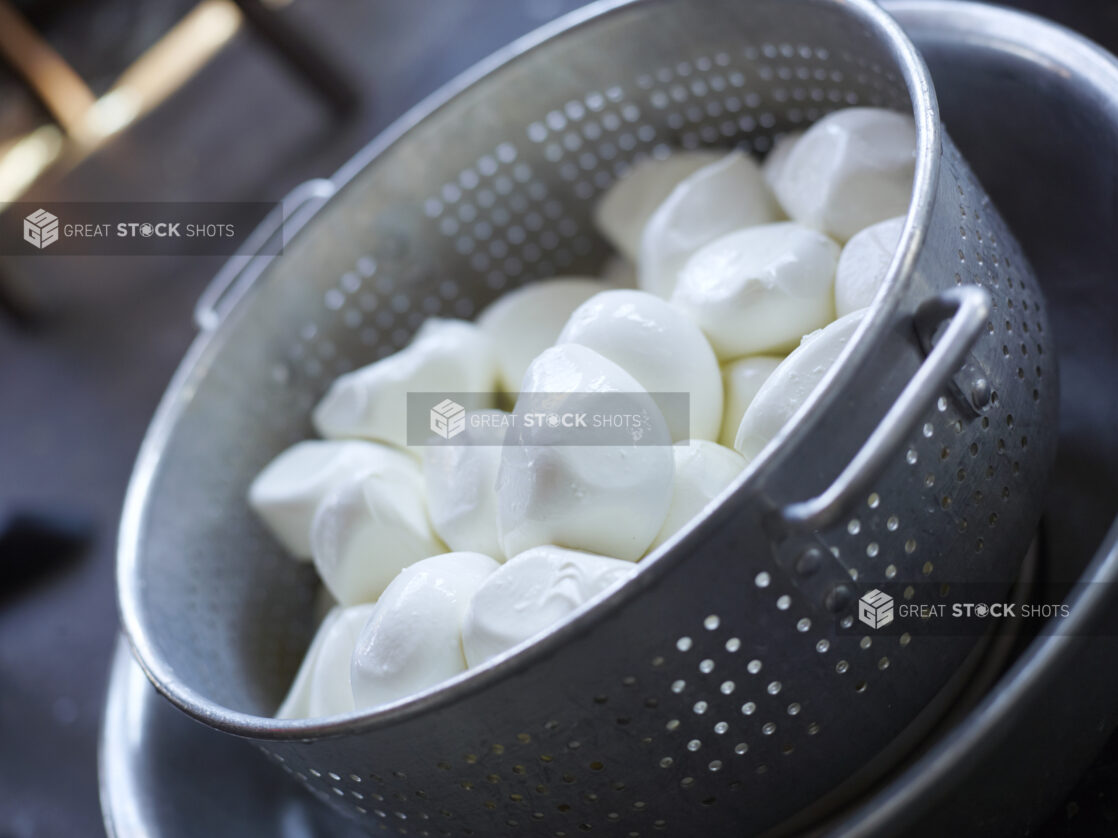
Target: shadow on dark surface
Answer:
[[36, 545]]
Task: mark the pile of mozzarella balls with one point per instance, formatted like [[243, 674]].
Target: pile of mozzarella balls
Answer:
[[736, 283]]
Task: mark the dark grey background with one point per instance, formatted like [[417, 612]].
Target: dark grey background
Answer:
[[77, 388]]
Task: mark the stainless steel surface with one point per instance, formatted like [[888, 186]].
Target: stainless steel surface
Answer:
[[969, 309], [713, 692], [237, 275], [165, 776], [150, 785], [1012, 762]]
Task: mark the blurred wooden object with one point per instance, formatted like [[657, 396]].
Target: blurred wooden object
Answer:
[[87, 121], [54, 81]]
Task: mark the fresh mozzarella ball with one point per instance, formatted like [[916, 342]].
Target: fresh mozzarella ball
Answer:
[[718, 198], [760, 289], [287, 492], [367, 530], [778, 154], [619, 272], [321, 687], [461, 480], [532, 592], [624, 210], [371, 402], [413, 639], [657, 345], [741, 379], [525, 322], [863, 264], [297, 703], [851, 169], [610, 498], [702, 470], [791, 383], [330, 692]]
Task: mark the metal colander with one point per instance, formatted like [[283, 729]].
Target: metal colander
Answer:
[[721, 690]]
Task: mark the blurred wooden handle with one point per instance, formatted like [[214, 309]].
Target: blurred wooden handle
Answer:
[[60, 89]]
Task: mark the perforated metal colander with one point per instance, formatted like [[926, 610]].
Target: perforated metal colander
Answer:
[[718, 692]]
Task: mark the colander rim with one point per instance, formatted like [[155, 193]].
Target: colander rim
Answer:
[[130, 535]]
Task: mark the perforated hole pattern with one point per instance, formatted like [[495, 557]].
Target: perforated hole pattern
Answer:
[[728, 704]]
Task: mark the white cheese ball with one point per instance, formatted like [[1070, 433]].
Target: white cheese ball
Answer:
[[461, 481], [609, 499], [790, 384], [656, 344], [367, 530], [863, 264], [760, 289], [413, 638], [289, 489], [525, 322], [321, 687], [446, 356], [532, 592], [852, 168], [625, 208], [741, 379], [702, 470], [774, 161], [724, 196]]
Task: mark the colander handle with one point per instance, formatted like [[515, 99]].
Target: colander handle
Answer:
[[243, 269], [968, 308]]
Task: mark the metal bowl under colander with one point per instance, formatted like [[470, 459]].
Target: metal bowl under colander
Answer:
[[723, 689]]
